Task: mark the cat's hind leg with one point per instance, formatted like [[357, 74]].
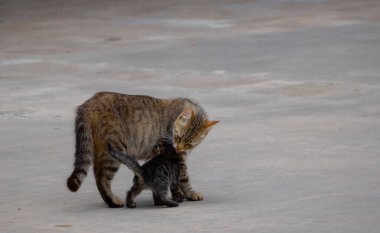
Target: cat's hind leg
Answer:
[[138, 186], [104, 172]]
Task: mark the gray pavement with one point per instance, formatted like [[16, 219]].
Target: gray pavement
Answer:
[[295, 84]]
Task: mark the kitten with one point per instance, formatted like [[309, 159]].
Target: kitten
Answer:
[[136, 125], [158, 174]]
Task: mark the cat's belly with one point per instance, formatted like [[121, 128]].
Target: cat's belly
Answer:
[[142, 147], [143, 154]]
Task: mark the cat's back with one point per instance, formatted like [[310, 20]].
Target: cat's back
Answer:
[[112, 105], [114, 99]]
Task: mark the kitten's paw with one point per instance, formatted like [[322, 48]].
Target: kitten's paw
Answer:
[[131, 205], [158, 203], [178, 199], [195, 196], [172, 204]]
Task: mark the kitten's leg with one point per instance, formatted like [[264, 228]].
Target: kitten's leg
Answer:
[[138, 186], [104, 172], [157, 200], [177, 194], [162, 197], [185, 184], [160, 188]]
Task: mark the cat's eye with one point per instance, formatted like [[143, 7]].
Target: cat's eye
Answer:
[[188, 145], [178, 138]]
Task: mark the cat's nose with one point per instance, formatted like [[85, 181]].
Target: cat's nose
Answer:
[[179, 149]]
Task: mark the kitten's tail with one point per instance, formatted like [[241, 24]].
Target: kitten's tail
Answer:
[[84, 148], [130, 162]]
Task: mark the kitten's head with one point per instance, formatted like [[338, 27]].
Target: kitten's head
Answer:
[[190, 128]]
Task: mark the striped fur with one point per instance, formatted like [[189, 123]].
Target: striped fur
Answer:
[[83, 150], [130, 162], [135, 125], [158, 174]]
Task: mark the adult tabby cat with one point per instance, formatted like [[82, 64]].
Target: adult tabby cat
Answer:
[[158, 174], [136, 125]]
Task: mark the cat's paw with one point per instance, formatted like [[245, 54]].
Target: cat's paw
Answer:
[[172, 204], [116, 203], [195, 196], [131, 205], [178, 196]]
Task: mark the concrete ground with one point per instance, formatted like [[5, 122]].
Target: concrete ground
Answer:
[[295, 84]]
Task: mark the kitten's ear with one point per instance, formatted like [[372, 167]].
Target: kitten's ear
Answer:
[[210, 123]]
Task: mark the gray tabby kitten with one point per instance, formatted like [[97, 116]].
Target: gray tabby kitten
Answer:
[[158, 174]]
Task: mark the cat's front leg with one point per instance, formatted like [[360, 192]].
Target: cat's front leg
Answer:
[[185, 184]]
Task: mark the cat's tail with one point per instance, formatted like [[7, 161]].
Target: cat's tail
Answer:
[[130, 162], [84, 148]]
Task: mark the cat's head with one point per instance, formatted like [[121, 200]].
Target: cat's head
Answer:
[[190, 128]]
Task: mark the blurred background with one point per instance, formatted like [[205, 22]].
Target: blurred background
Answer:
[[295, 84]]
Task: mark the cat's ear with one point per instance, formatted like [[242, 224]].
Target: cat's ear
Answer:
[[210, 123], [185, 115]]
